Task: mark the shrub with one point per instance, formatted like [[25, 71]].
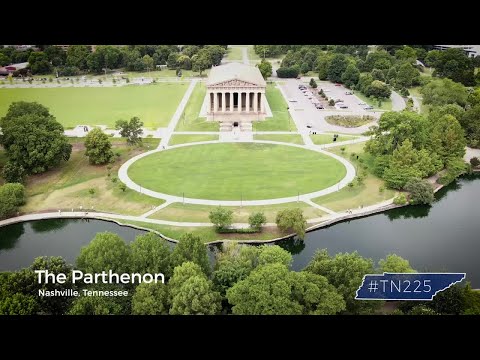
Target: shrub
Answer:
[[221, 217], [114, 179], [381, 189], [474, 161], [12, 196], [292, 219], [342, 149], [400, 199], [421, 191], [122, 187], [13, 173], [351, 185], [257, 220], [98, 148], [91, 191], [288, 72], [331, 102]]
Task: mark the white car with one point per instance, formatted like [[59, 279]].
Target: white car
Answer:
[[292, 100], [368, 107], [348, 93], [362, 104]]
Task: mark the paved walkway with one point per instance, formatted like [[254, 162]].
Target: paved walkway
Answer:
[[350, 175], [398, 104], [176, 117], [323, 208], [245, 56], [470, 153], [155, 209]]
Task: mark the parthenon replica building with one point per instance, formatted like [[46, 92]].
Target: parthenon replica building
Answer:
[[235, 94]]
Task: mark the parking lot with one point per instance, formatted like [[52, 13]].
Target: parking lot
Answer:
[[303, 106]]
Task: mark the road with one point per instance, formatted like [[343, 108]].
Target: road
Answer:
[[398, 104]]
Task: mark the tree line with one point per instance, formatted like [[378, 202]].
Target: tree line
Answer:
[[80, 59], [243, 280]]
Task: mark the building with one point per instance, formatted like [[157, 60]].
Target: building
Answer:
[[235, 95], [470, 50]]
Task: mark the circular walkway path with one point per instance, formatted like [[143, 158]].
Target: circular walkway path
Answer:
[[350, 175]]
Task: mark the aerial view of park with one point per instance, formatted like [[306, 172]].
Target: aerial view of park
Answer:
[[259, 179]]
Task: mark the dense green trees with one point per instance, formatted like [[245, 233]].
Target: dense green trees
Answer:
[[345, 272], [444, 91], [292, 220], [107, 251], [191, 248], [337, 67], [32, 138], [131, 130], [12, 196], [39, 63], [98, 147], [395, 264], [150, 299], [421, 191], [265, 68], [150, 254], [351, 76], [453, 64], [470, 121]]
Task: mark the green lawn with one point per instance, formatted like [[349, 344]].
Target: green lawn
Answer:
[[153, 104], [367, 194], [199, 213], [234, 53], [415, 91], [280, 121], [68, 185], [191, 121], [386, 103], [288, 138], [234, 171], [321, 139], [182, 139]]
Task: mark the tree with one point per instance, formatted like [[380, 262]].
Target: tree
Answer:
[[38, 63], [228, 273], [150, 254], [407, 163], [381, 60], [274, 290], [256, 220], [323, 63], [33, 138], [77, 56], [150, 299], [100, 305], [191, 293], [454, 64], [12, 195], [444, 91], [95, 62], [18, 304], [265, 68], [272, 254], [345, 272], [184, 62], [191, 248], [288, 72], [222, 218], [13, 173], [407, 75], [132, 130], [447, 138], [378, 74], [421, 191], [190, 50], [200, 63], [471, 301], [292, 220], [98, 147], [407, 54], [395, 264], [148, 62], [450, 301], [470, 121], [351, 76], [378, 89], [107, 251], [474, 161], [4, 59], [337, 67]]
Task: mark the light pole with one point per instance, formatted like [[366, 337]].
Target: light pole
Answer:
[[289, 120]]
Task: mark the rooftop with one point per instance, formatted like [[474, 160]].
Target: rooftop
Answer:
[[235, 70]]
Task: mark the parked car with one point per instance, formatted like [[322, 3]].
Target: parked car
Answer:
[[362, 103], [309, 126], [337, 84], [342, 106], [368, 107], [338, 101], [319, 106], [348, 93]]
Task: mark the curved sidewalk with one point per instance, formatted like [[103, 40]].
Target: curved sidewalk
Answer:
[[350, 175]]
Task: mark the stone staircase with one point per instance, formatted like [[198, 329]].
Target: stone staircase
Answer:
[[246, 126], [226, 126]]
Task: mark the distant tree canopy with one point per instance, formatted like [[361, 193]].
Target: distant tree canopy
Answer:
[[453, 64], [32, 137]]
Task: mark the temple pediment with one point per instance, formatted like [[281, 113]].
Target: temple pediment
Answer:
[[234, 83]]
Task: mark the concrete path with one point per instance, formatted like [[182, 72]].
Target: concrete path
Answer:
[[398, 104], [176, 117], [350, 175], [416, 103], [315, 205], [155, 209], [470, 153], [245, 56]]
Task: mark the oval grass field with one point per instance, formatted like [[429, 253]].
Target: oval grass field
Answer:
[[236, 171]]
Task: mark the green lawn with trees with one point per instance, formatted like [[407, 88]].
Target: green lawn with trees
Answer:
[[153, 104], [280, 120], [238, 170]]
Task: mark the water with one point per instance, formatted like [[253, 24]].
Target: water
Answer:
[[444, 237]]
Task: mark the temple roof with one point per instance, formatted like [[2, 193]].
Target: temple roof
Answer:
[[235, 70]]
